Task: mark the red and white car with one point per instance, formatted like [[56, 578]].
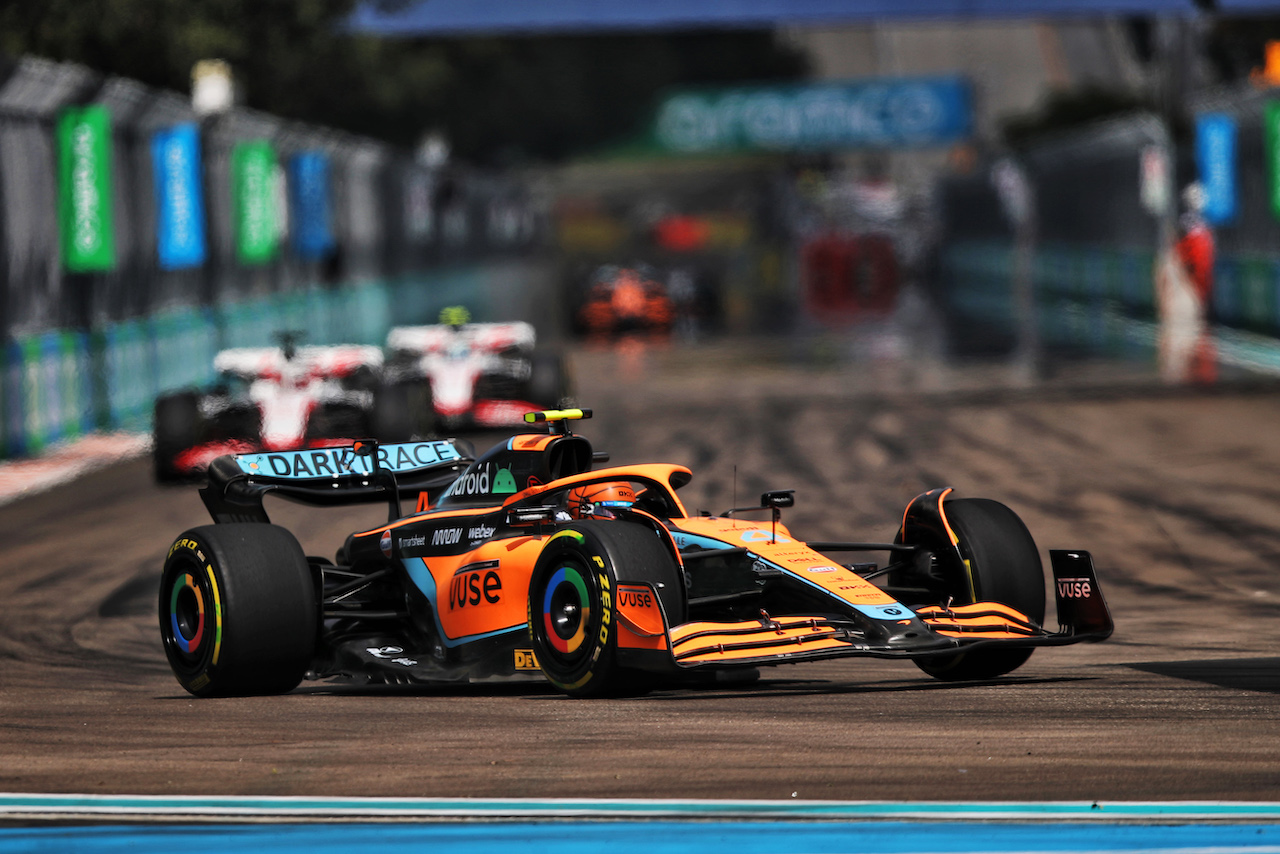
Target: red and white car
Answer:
[[473, 375], [276, 398]]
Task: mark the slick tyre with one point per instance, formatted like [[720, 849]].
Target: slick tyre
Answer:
[[573, 598], [548, 380], [178, 426], [402, 412], [1004, 565], [238, 610]]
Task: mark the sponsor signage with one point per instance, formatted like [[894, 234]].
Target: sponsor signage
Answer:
[[1075, 588], [180, 230], [877, 113], [474, 585], [84, 189], [335, 462], [253, 168], [1271, 135], [486, 479], [312, 213], [1216, 162]]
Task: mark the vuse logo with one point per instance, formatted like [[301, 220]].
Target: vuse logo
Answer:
[[1074, 588]]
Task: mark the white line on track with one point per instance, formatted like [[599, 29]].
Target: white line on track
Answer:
[[65, 462], [251, 808]]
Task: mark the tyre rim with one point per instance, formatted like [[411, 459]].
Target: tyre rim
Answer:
[[566, 610], [187, 613], [194, 622]]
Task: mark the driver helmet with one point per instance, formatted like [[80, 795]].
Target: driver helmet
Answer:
[[455, 316], [600, 500]]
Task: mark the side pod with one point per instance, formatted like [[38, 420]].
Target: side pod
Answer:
[[1082, 612]]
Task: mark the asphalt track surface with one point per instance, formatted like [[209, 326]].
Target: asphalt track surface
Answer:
[[1175, 492]]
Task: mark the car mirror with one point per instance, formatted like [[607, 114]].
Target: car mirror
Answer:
[[778, 498], [521, 516]]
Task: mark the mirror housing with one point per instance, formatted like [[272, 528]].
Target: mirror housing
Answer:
[[521, 516], [778, 498]]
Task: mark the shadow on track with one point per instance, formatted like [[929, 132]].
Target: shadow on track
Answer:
[[1241, 674]]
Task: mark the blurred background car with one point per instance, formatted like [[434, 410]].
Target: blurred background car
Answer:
[[458, 375], [273, 398]]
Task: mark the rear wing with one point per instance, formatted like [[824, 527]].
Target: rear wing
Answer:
[[363, 473]]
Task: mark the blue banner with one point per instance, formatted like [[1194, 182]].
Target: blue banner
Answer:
[[1216, 162], [175, 154], [875, 113], [309, 182]]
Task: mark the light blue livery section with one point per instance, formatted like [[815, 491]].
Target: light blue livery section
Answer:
[[875, 612], [339, 461]]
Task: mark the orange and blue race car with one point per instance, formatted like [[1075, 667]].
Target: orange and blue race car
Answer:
[[538, 559]]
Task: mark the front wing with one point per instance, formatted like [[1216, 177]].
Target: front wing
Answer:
[[1082, 613]]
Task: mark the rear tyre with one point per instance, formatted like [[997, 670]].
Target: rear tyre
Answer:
[[238, 610], [1004, 566], [178, 426], [572, 603]]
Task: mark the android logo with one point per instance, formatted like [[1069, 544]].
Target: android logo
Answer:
[[503, 482]]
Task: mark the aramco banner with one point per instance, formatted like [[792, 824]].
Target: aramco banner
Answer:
[[880, 113], [84, 189], [180, 227], [311, 207], [253, 177], [1216, 163]]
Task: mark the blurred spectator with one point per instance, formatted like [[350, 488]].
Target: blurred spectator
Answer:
[[1184, 293]]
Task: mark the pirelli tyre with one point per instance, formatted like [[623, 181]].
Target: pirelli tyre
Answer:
[[402, 412], [238, 610], [1003, 565], [573, 598], [548, 380]]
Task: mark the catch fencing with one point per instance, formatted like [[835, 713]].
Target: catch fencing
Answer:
[[122, 283]]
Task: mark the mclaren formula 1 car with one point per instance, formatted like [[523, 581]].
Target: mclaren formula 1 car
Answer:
[[533, 558], [621, 301]]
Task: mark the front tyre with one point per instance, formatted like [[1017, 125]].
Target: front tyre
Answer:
[[177, 426], [548, 380], [238, 610], [402, 412], [1003, 566]]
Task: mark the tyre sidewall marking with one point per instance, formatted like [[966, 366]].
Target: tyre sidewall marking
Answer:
[[601, 637], [217, 615]]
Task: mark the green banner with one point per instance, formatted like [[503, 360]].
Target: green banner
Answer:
[[84, 189], [1271, 130], [253, 175]]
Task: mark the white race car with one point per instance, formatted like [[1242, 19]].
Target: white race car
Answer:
[[276, 398], [458, 374]]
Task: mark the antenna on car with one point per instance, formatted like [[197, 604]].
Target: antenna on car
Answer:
[[557, 420]]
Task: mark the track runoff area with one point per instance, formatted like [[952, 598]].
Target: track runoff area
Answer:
[[105, 823]]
